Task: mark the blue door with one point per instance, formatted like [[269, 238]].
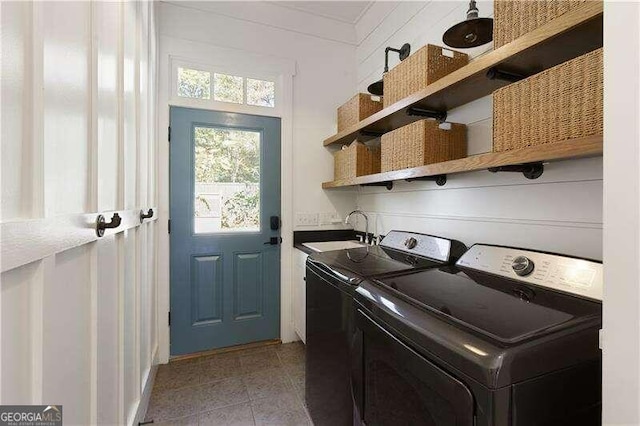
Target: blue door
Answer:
[[225, 210]]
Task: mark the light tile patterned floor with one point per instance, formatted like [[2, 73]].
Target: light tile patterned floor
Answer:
[[259, 386]]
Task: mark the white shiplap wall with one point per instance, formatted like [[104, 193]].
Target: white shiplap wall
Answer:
[[561, 211], [77, 313]]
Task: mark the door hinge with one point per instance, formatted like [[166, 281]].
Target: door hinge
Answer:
[[169, 226], [169, 318], [169, 133]]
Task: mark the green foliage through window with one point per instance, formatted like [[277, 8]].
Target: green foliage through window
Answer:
[[242, 210], [228, 88], [198, 84], [227, 163], [261, 93], [224, 155], [194, 83]]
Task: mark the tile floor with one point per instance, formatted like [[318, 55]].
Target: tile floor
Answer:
[[259, 386]]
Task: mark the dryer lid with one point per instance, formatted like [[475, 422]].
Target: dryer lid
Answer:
[[503, 309]]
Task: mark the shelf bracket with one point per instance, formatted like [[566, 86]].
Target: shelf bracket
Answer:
[[498, 74], [529, 170], [440, 180], [420, 112], [371, 133], [388, 184]]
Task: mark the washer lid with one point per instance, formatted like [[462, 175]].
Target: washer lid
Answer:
[[399, 251], [502, 309], [372, 260], [479, 347]]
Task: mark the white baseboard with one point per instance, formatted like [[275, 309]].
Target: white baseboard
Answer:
[[143, 403]]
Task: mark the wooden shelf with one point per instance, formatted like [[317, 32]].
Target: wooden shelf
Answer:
[[574, 148], [566, 37]]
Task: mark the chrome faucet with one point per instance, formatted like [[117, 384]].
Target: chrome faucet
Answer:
[[366, 223]]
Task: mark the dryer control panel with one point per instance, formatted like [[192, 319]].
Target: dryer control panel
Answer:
[[418, 244], [563, 273]]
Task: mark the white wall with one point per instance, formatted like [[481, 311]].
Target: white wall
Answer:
[[561, 211], [77, 313], [621, 316]]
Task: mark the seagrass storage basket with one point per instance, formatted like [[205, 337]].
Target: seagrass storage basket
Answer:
[[356, 160], [425, 66], [514, 18], [357, 109], [563, 102], [422, 142]]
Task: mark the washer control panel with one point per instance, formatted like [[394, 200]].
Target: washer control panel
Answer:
[[576, 276], [418, 244]]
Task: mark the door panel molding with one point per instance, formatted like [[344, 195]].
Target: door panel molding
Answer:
[[26, 241], [207, 289], [248, 286]]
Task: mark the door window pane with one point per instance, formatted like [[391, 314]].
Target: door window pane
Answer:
[[261, 93], [227, 180], [194, 83], [228, 88]]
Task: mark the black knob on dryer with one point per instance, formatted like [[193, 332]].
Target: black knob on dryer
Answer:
[[522, 266]]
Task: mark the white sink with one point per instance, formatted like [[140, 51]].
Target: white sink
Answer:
[[333, 245]]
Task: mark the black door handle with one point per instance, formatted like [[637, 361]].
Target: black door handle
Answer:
[[101, 223], [273, 241]]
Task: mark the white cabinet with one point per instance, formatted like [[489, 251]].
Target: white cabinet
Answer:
[[299, 293]]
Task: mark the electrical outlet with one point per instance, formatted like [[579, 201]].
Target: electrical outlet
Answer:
[[325, 218], [306, 219], [330, 218]]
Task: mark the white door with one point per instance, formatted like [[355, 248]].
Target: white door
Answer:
[[77, 311]]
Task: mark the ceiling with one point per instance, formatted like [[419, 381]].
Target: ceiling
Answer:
[[343, 11]]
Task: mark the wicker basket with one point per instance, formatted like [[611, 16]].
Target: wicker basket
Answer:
[[423, 142], [512, 19], [356, 160], [425, 66], [357, 109], [563, 102]]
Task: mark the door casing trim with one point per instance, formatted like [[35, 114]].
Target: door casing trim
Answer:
[[170, 47]]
